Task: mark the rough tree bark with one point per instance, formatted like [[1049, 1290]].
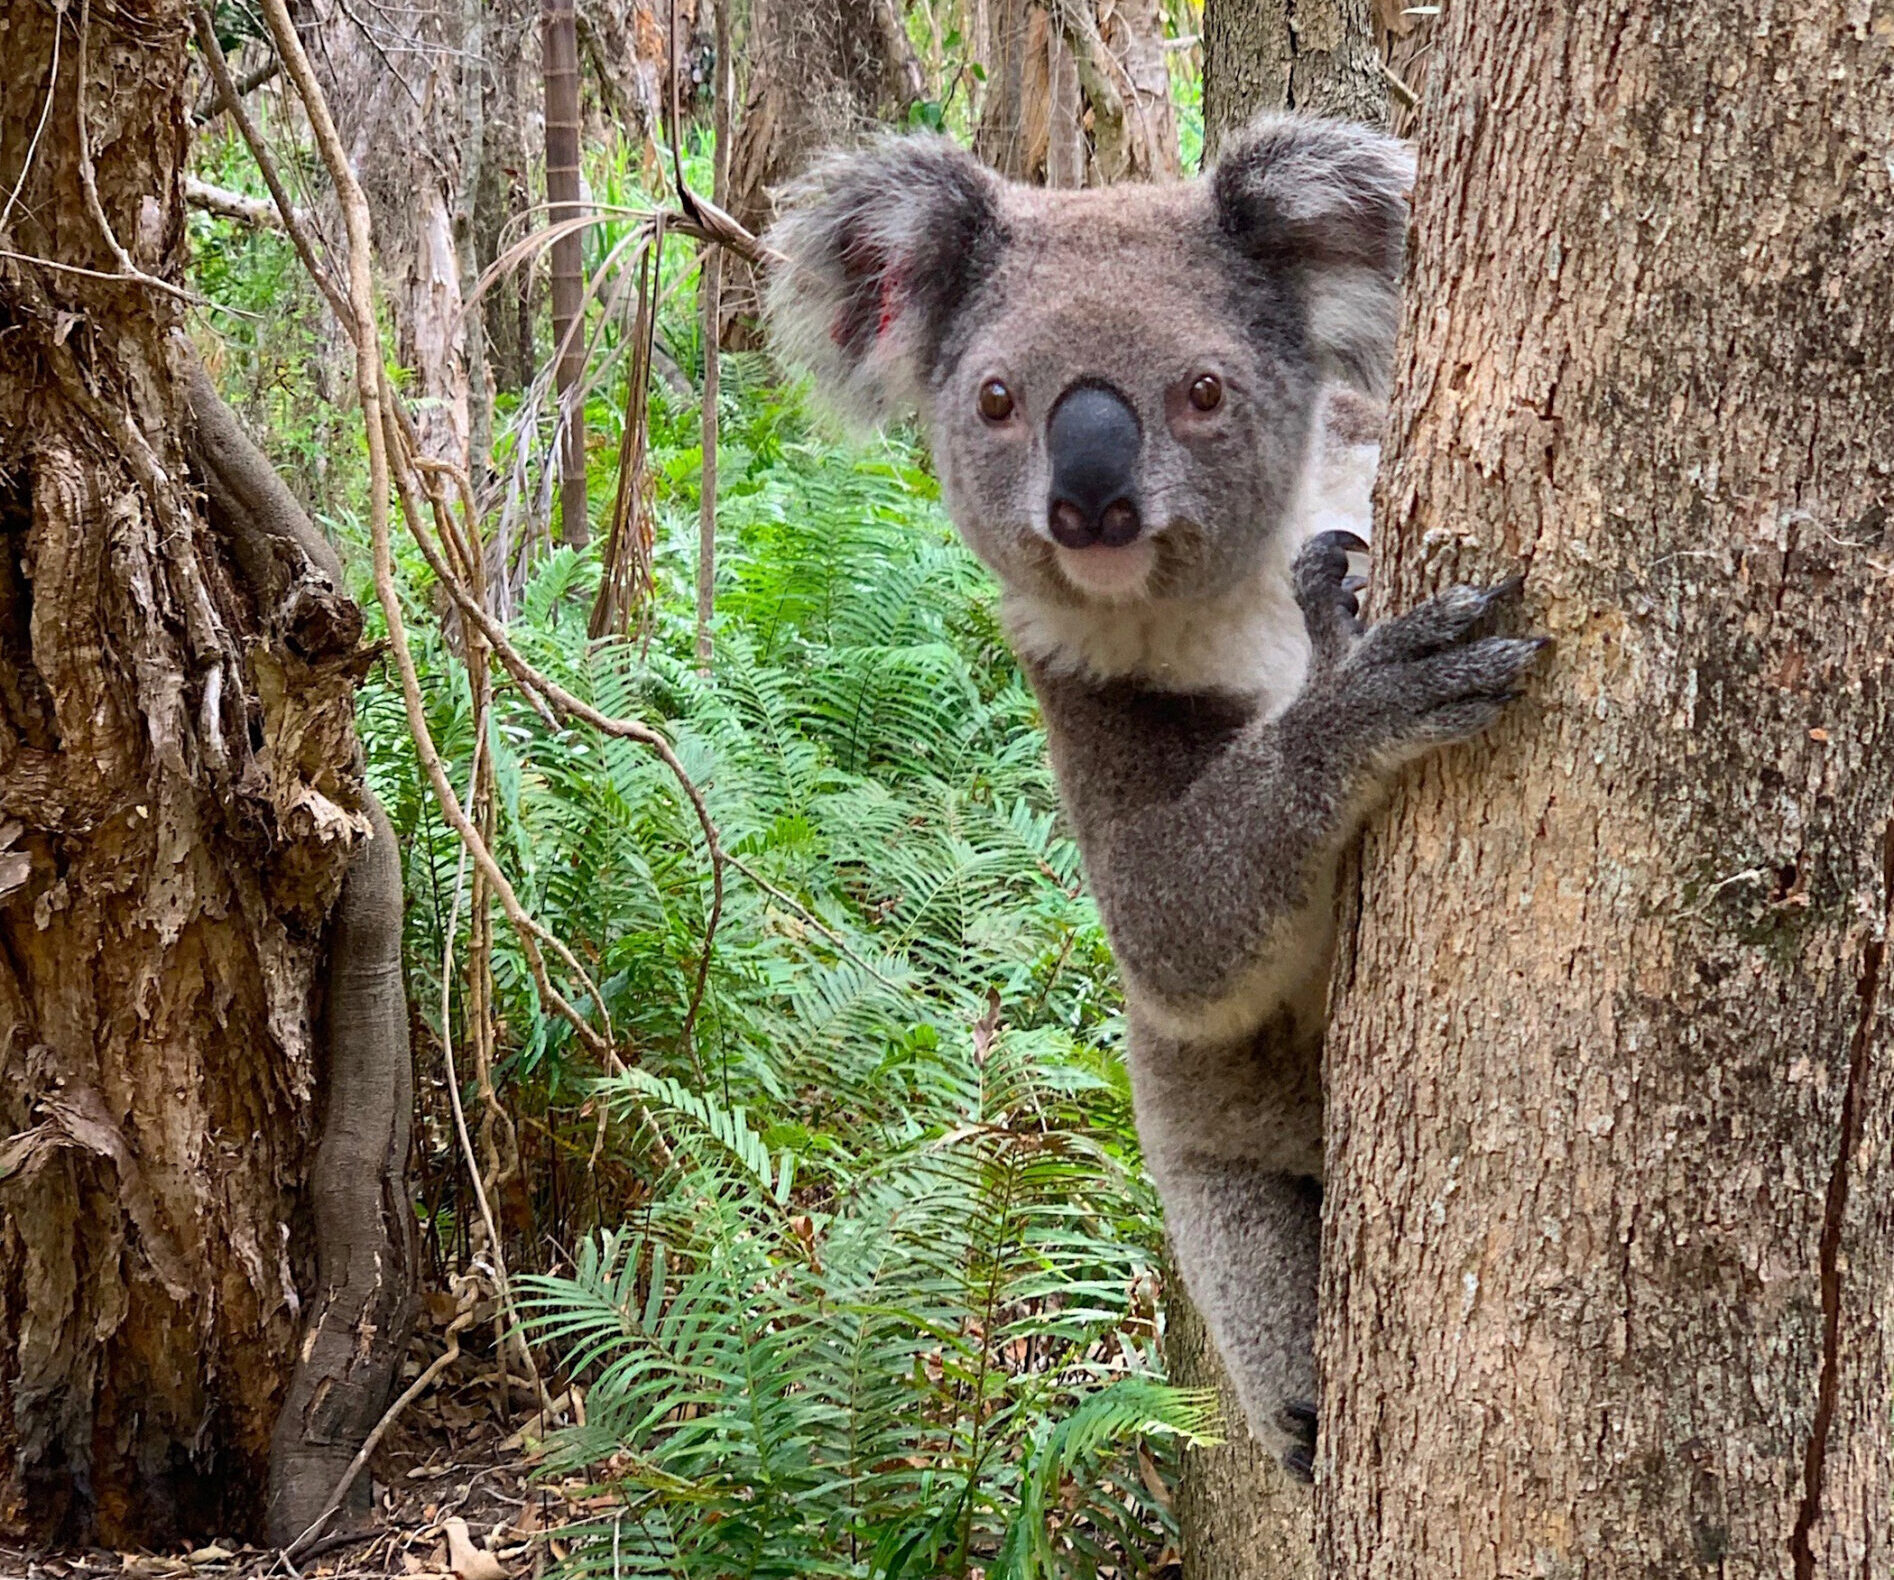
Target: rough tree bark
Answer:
[[179, 803], [363, 1307], [1316, 55], [1611, 1160]]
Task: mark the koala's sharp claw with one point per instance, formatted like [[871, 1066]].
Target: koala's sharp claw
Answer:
[[1326, 592], [1299, 1416], [1300, 1463]]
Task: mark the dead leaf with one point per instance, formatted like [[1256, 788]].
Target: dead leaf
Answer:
[[466, 1560], [212, 1554]]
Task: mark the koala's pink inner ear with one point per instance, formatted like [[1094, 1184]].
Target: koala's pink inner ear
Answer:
[[874, 299]]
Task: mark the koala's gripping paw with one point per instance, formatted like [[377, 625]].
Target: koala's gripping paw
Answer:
[[1326, 593], [1298, 1419], [1433, 676]]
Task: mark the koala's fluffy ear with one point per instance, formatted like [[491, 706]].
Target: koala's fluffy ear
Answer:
[[882, 246], [1327, 201]]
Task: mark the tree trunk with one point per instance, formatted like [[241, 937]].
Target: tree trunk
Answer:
[[1611, 1146], [1240, 1514], [820, 72], [559, 57], [1315, 55], [396, 79], [1077, 93], [179, 800], [1032, 98]]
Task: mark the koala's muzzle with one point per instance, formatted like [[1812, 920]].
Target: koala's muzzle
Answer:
[[1092, 442]]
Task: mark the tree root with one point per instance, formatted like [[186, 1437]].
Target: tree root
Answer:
[[357, 1326]]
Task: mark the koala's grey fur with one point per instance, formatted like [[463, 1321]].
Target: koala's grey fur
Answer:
[[1219, 722]]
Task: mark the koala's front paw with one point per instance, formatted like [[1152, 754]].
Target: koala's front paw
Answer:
[[1326, 593], [1433, 676], [1298, 1418]]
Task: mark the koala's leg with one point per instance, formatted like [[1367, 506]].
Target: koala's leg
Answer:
[[1247, 1240]]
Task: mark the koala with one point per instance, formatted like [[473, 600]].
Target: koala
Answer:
[[1153, 414]]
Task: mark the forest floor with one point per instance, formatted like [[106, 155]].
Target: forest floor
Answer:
[[450, 1458]]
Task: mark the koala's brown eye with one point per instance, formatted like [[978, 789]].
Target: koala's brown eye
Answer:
[[996, 401], [1207, 393]]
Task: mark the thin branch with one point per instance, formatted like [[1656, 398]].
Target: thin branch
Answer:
[[259, 151], [246, 85]]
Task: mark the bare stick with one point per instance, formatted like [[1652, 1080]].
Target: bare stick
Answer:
[[272, 178]]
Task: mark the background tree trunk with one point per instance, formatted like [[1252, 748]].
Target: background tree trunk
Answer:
[[178, 805], [396, 78], [1316, 55], [559, 57], [1611, 1145], [1077, 93], [820, 72]]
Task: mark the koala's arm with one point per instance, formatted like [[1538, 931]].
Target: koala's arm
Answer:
[[1206, 875]]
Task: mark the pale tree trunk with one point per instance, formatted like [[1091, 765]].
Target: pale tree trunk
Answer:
[[1240, 1514], [1077, 93], [559, 60], [179, 803], [395, 76], [1029, 118], [1610, 1218], [1314, 55]]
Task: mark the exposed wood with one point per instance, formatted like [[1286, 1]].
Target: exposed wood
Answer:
[[1611, 1094], [258, 213]]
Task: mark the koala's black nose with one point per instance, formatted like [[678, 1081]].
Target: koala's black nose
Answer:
[[1092, 441]]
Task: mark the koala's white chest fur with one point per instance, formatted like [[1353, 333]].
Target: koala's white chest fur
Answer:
[[1248, 640]]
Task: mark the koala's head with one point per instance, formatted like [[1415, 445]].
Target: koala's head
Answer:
[[1119, 384]]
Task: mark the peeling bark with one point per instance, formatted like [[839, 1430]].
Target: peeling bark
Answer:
[[395, 80], [179, 802], [357, 1328], [1077, 93], [1610, 1237], [819, 73]]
